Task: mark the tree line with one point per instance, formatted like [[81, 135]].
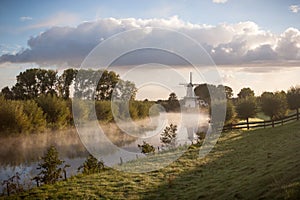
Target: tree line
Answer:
[[275, 105], [41, 99]]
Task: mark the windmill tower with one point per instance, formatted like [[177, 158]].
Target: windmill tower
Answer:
[[190, 100]]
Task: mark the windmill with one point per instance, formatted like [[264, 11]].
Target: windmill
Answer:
[[190, 100]]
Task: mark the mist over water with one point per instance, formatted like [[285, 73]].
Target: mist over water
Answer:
[[22, 153]]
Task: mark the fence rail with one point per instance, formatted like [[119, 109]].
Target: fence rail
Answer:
[[260, 124]]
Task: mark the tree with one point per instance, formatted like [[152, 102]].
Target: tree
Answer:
[[107, 83], [91, 165], [203, 92], [168, 137], [245, 92], [65, 81], [34, 82], [246, 108], [7, 93], [173, 103], [228, 92], [146, 148], [172, 97], [274, 105], [293, 99], [206, 91], [50, 171], [230, 112], [123, 90]]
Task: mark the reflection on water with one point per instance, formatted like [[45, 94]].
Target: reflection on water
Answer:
[[21, 154]]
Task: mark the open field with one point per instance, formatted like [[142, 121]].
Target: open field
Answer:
[[256, 164]]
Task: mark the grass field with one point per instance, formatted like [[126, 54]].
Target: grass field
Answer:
[[256, 164]]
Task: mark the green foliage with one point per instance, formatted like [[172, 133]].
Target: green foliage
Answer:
[[99, 85], [80, 109], [245, 92], [173, 103], [103, 111], [50, 171], [293, 98], [12, 117], [228, 92], [236, 162], [146, 148], [169, 135], [206, 91], [92, 165], [65, 80], [230, 112], [56, 110], [21, 116], [7, 93], [35, 116], [218, 112], [200, 135], [246, 108], [34, 82], [274, 104]]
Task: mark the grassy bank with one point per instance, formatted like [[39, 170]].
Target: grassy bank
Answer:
[[257, 164]]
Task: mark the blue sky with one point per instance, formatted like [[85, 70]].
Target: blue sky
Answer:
[[273, 15], [234, 32]]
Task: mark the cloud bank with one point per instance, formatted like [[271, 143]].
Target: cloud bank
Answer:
[[227, 44]]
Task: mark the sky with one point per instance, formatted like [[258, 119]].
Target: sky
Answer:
[[252, 43]]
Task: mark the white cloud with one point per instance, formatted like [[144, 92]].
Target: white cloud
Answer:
[[233, 44], [294, 8], [25, 18], [219, 1]]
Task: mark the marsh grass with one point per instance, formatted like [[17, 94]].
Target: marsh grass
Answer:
[[256, 164]]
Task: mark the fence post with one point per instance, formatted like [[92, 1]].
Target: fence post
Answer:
[[272, 123], [247, 123], [282, 122], [264, 124], [297, 114]]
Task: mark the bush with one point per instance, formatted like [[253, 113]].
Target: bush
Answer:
[[56, 110], [35, 116], [103, 111], [146, 148], [80, 109], [50, 167], [12, 117], [168, 137], [91, 165]]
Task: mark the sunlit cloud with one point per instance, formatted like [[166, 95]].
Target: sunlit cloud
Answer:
[[294, 8], [219, 1]]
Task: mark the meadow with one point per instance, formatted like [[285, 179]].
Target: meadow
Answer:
[[255, 164]]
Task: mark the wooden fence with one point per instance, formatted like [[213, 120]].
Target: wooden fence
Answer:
[[262, 124]]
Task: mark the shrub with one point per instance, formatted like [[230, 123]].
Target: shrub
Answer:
[[55, 109], [103, 111], [168, 137], [35, 116], [92, 165], [12, 117], [50, 167], [146, 148]]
